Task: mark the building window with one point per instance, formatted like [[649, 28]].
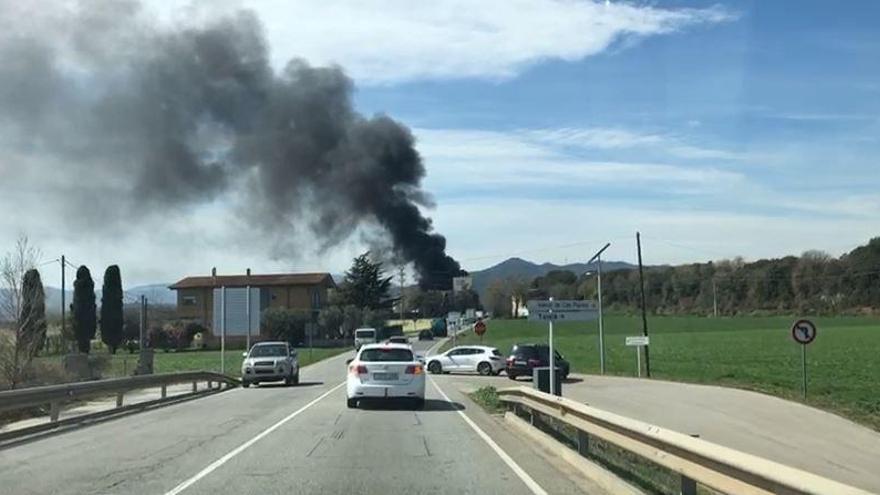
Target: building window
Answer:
[[188, 300], [316, 299]]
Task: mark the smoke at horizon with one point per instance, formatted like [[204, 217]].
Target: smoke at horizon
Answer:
[[178, 116]]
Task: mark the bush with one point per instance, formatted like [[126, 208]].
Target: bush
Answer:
[[159, 338], [190, 330], [286, 324]]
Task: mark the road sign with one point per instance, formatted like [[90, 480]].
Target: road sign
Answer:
[[479, 328], [803, 332], [544, 310], [637, 341]]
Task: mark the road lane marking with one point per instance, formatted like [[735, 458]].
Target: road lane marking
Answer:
[[524, 476], [241, 448]]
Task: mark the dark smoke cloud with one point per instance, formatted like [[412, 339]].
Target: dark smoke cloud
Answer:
[[180, 116]]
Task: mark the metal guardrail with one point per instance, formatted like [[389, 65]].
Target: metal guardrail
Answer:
[[695, 460], [56, 395]]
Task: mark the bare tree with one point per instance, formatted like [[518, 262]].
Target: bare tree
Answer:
[[19, 309]]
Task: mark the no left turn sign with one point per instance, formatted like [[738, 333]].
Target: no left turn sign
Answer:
[[803, 332]]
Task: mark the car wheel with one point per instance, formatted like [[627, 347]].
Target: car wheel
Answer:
[[435, 367], [296, 379], [288, 380], [484, 369], [351, 403], [419, 404], [245, 384], [512, 376]]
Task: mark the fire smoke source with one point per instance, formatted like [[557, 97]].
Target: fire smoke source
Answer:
[[178, 116]]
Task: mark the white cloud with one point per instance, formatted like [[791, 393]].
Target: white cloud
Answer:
[[457, 158], [390, 41], [601, 138]]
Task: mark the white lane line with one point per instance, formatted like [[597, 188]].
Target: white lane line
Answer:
[[241, 448], [524, 476]]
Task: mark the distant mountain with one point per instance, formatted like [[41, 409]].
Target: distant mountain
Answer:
[[156, 294], [518, 267]]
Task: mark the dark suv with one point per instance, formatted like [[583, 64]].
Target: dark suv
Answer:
[[524, 357]]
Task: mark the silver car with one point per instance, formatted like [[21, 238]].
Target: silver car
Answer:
[[270, 362]]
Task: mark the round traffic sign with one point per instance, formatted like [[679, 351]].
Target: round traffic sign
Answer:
[[479, 328], [803, 331]]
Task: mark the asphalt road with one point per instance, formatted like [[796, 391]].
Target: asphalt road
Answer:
[[301, 439]]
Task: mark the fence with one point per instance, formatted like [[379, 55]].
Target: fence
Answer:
[[695, 461]]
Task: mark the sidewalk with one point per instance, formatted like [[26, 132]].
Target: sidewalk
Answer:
[[786, 432]]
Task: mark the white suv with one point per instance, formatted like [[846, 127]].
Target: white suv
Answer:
[[474, 358], [270, 362], [385, 371]]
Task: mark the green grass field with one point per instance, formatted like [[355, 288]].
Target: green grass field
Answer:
[[756, 353]]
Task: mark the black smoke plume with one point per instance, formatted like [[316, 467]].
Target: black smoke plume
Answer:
[[179, 116]]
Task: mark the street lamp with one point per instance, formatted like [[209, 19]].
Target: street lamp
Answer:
[[598, 259]]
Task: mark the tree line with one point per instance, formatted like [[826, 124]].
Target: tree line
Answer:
[[813, 283], [24, 310]]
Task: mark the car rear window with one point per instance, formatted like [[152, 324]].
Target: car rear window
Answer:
[[378, 355], [365, 333], [524, 350], [496, 352]]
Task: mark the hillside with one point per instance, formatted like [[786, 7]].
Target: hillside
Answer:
[[156, 294], [520, 268]]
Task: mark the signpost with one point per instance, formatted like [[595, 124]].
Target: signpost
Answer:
[[638, 342], [803, 332], [452, 320], [598, 259], [480, 329], [563, 310]]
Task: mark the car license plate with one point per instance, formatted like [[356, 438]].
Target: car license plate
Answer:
[[385, 377]]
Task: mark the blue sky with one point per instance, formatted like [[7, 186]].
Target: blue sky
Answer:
[[773, 112], [717, 129]]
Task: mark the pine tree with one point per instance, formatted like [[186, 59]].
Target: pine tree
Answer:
[[365, 285]]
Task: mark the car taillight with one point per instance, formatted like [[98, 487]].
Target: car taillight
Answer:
[[414, 369], [357, 369], [534, 362]]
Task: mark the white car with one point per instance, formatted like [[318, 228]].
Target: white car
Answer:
[[473, 358], [385, 371]]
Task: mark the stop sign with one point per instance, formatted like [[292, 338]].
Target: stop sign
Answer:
[[479, 328]]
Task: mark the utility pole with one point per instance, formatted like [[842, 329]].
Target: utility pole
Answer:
[[714, 299], [552, 355], [644, 310], [223, 329], [143, 323], [248, 302], [598, 258], [63, 300], [400, 302]]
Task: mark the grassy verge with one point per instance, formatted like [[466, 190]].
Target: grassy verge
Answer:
[[755, 353], [122, 364], [487, 398]]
